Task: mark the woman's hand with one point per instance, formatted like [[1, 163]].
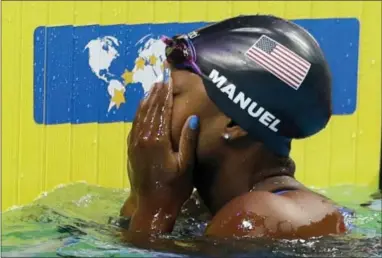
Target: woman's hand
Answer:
[[161, 179]]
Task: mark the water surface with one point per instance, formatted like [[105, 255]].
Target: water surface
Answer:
[[80, 220]]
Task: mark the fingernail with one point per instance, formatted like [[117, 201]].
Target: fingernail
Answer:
[[194, 122], [166, 75]]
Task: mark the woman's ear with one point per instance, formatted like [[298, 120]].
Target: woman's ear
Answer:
[[233, 131]]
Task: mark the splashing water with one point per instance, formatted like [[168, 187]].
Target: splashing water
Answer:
[[79, 220]]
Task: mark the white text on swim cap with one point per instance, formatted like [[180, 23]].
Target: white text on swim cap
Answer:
[[263, 116]]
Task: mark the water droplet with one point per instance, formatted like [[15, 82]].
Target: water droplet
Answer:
[[373, 61], [347, 55], [43, 194], [354, 135], [246, 224], [157, 185]]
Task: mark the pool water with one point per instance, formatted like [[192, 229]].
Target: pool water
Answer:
[[81, 220]]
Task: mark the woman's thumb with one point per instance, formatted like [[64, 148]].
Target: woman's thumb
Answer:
[[188, 143]]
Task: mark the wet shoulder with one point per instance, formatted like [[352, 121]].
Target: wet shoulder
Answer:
[[293, 214]]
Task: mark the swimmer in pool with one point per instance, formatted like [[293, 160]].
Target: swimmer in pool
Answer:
[[232, 98]]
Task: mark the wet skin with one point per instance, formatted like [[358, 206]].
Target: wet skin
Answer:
[[176, 144]]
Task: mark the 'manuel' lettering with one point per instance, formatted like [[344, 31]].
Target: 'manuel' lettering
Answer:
[[254, 110]]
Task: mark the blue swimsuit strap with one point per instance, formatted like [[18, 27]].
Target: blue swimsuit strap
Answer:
[[279, 192]]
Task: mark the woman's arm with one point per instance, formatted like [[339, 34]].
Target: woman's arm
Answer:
[[129, 207]]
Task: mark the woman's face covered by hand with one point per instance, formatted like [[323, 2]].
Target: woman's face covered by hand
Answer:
[[190, 98]]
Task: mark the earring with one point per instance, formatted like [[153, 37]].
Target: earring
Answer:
[[226, 136]]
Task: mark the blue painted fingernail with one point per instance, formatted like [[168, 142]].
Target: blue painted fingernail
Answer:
[[166, 75], [194, 122]]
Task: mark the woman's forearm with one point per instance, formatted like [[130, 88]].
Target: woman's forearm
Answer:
[[129, 207], [149, 220], [153, 219]]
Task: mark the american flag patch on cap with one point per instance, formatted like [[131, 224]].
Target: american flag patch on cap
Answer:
[[279, 60]]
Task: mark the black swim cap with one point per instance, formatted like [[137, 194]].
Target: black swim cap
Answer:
[[267, 74]]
